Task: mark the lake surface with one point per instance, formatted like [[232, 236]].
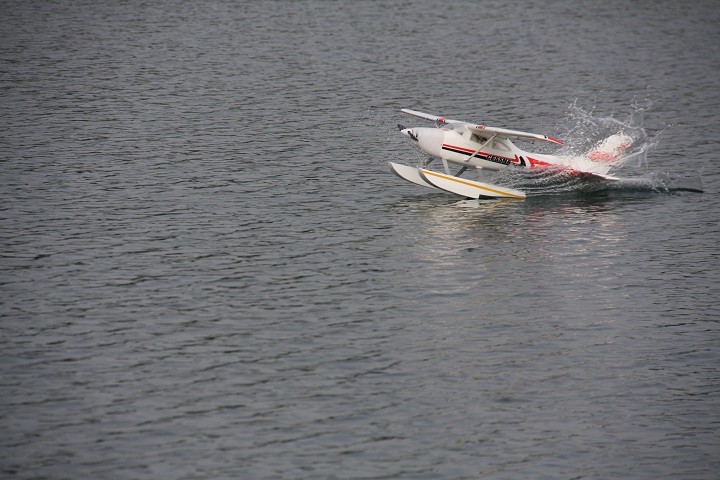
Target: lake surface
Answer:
[[209, 272]]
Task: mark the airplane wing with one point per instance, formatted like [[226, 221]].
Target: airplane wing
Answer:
[[501, 132], [504, 132], [428, 116]]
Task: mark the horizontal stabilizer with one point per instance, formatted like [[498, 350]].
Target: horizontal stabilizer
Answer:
[[601, 176]]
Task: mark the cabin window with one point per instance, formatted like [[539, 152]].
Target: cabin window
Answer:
[[477, 138], [500, 146]]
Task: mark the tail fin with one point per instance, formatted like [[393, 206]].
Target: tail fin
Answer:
[[610, 149]]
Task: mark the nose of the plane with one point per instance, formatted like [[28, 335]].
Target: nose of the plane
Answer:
[[408, 132], [429, 140]]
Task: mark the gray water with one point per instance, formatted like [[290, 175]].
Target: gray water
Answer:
[[209, 272]]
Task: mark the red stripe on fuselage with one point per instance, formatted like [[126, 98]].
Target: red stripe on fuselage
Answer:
[[539, 163], [470, 151]]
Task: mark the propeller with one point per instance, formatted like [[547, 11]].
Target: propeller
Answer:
[[406, 131]]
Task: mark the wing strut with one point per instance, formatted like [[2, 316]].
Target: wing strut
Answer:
[[481, 147]]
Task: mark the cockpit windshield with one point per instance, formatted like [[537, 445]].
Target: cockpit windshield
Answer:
[[458, 128], [455, 127]]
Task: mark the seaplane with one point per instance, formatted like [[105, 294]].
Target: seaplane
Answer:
[[482, 149]]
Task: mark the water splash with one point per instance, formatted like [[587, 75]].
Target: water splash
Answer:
[[584, 132]]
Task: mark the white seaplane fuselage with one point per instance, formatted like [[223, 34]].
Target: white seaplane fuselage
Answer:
[[459, 145], [477, 147]]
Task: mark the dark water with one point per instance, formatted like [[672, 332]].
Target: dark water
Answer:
[[208, 271]]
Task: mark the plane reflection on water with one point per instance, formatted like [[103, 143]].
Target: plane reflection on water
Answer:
[[499, 240]]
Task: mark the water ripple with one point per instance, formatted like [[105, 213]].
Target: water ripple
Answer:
[[208, 272]]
